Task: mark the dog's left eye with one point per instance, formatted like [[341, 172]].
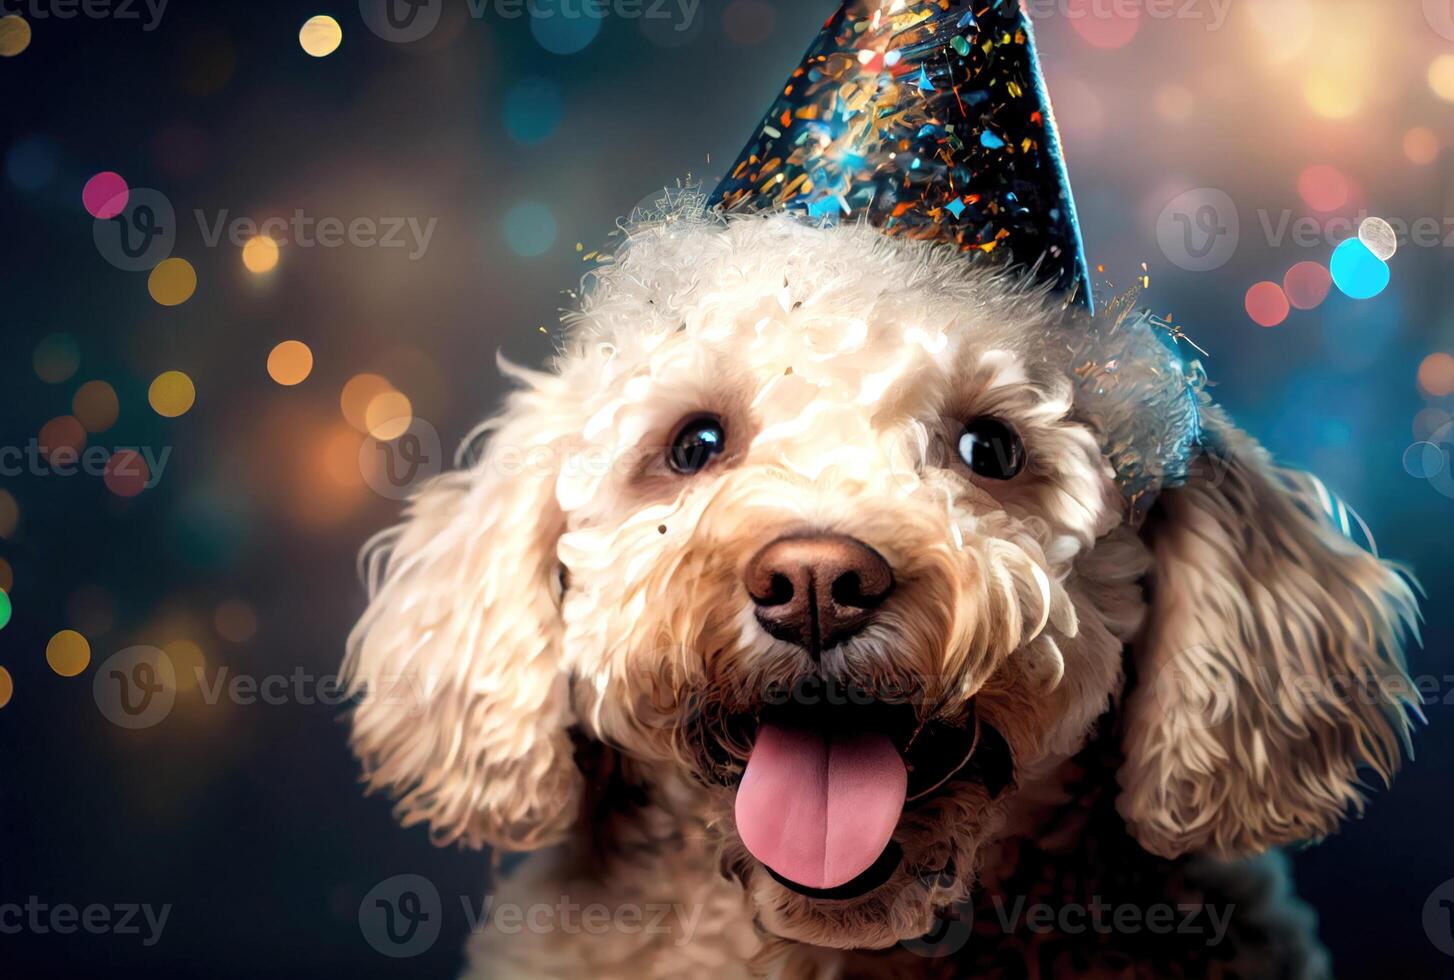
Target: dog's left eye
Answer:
[[991, 448], [696, 443]]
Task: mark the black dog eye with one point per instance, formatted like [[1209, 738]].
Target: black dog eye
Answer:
[[695, 445], [991, 449]]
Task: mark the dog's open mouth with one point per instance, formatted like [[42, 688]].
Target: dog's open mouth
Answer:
[[824, 790]]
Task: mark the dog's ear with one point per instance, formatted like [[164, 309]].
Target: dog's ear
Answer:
[[1270, 667], [464, 710]]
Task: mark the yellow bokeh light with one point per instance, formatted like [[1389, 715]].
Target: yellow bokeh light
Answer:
[[1333, 92], [290, 363], [7, 576], [1421, 145], [1441, 77], [320, 36], [389, 416], [358, 393], [172, 282], [14, 35], [9, 514], [68, 653], [188, 661], [96, 406], [260, 255], [7, 687], [172, 394], [1175, 103]]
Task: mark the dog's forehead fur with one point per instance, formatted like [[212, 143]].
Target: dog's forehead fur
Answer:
[[888, 329]]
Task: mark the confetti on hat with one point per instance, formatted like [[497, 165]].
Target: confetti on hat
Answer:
[[929, 119]]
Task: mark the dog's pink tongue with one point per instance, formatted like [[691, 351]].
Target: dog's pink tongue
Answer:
[[820, 809]]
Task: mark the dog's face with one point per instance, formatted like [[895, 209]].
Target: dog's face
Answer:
[[827, 534]]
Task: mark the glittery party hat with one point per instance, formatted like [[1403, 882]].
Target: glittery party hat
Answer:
[[930, 119]]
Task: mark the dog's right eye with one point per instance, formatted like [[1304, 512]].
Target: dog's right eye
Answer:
[[696, 443]]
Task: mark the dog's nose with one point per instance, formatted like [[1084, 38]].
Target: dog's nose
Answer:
[[817, 590]]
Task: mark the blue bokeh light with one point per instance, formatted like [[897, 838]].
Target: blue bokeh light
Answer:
[[563, 28], [1357, 271], [30, 163], [530, 229], [533, 110]]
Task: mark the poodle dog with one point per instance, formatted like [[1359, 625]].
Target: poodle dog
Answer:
[[884, 617]]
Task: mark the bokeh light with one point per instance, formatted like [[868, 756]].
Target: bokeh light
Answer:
[[530, 229], [188, 662], [562, 28], [1428, 421], [30, 163], [172, 394], [1332, 91], [61, 440], [235, 621], [7, 687], [1358, 272], [260, 255], [1307, 284], [68, 653], [14, 35], [1101, 25], [9, 514], [1421, 145], [56, 358], [1324, 188], [320, 36], [389, 415], [1423, 460], [358, 393], [1175, 103], [105, 195], [96, 406], [1267, 304], [1436, 375], [5, 609], [533, 110], [1441, 77], [7, 576], [290, 363], [127, 473], [172, 282]]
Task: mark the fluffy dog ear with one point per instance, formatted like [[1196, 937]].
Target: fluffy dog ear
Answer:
[[1270, 668], [464, 710]]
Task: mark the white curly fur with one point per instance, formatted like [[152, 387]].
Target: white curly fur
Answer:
[[840, 362]]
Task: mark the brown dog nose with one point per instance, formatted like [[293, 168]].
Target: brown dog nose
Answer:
[[817, 590]]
